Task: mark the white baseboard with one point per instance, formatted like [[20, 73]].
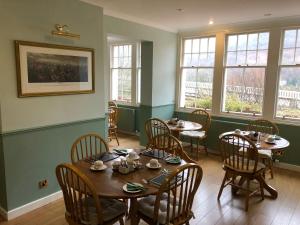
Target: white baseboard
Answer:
[[31, 206], [287, 166]]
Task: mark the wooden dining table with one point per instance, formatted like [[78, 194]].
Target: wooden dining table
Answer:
[[187, 126], [277, 148], [109, 183]]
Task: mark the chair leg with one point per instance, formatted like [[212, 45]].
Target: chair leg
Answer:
[[247, 195], [271, 167], [197, 150], [205, 147], [261, 186], [222, 185], [116, 136], [121, 221]]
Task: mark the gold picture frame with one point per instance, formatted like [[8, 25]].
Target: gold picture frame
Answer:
[[49, 69]]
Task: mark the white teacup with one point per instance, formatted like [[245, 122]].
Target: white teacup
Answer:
[[98, 164], [153, 163], [270, 138], [181, 123], [237, 131], [116, 165], [132, 155]]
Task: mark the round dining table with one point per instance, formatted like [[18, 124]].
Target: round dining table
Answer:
[[277, 147], [187, 126], [109, 183]]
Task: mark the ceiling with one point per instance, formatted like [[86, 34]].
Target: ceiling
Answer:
[[196, 13]]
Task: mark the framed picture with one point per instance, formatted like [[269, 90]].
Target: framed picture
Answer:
[[47, 69]]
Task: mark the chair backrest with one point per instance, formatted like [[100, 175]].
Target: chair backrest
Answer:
[[79, 196], [239, 153], [263, 126], [112, 104], [154, 127], [203, 117], [178, 190], [87, 147], [112, 117], [169, 144]]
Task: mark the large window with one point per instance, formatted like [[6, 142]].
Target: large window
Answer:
[[197, 71], [245, 66], [288, 97], [124, 77]]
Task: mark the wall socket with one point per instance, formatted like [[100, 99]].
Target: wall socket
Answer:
[[43, 184]]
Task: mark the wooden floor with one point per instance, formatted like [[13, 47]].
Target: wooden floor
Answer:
[[284, 210]]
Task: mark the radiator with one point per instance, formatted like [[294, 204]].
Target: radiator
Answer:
[[126, 119]]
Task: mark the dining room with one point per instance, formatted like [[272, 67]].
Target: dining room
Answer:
[[149, 112]]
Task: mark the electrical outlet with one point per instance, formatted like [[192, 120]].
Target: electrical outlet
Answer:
[[43, 184]]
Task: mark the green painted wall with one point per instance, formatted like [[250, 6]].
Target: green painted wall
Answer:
[[33, 20], [3, 201], [32, 155], [164, 57], [164, 112], [32, 142], [222, 124]]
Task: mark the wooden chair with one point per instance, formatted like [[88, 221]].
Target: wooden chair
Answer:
[[88, 147], [173, 203], [154, 127], [266, 127], [112, 104], [112, 123], [202, 117], [170, 144], [240, 157], [83, 206]]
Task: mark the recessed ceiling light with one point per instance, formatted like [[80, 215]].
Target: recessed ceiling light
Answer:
[[268, 14], [211, 22], [180, 10]]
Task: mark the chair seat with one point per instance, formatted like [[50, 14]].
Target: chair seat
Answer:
[[146, 207], [239, 160], [112, 208], [265, 153], [193, 133]]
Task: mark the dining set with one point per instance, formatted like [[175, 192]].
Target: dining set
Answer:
[[158, 183]]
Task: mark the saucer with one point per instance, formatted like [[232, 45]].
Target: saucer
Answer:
[[150, 167], [98, 169]]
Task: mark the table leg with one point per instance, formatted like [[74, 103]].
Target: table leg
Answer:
[[272, 191], [133, 207]]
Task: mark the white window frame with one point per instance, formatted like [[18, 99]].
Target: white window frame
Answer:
[[134, 82], [240, 115], [284, 120], [182, 67]]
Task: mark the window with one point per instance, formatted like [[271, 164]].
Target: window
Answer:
[[245, 66], [197, 71], [288, 96], [124, 85]]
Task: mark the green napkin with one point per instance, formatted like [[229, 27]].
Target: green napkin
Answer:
[[134, 187], [175, 159]]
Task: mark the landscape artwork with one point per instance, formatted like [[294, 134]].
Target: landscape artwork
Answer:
[[46, 69]]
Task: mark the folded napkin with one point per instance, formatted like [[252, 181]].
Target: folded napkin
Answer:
[[134, 187], [121, 151], [175, 159]]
